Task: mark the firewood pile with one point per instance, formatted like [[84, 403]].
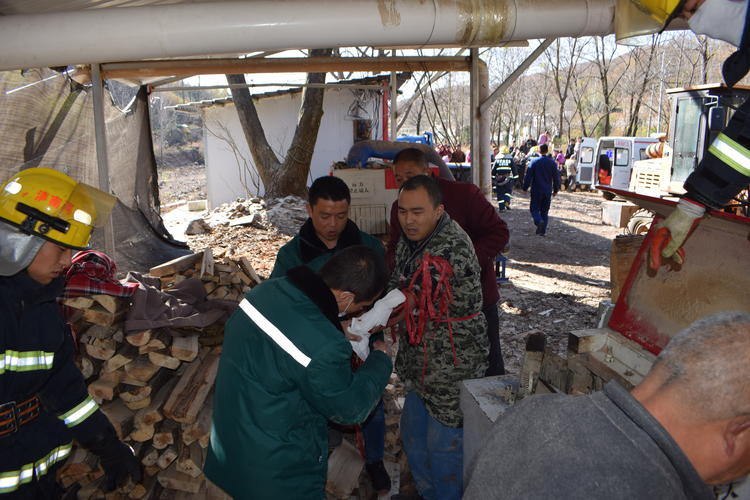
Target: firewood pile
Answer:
[[156, 389]]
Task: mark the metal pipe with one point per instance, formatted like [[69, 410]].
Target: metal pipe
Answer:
[[476, 159], [101, 153], [169, 31], [485, 167]]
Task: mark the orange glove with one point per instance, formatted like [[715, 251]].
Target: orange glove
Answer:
[[672, 232]]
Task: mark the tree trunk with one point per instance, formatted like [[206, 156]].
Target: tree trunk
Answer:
[[290, 177]]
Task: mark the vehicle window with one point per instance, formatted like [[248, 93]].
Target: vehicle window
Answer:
[[642, 155], [687, 130], [622, 157], [587, 155]]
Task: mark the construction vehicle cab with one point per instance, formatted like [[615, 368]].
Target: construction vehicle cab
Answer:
[[698, 114]]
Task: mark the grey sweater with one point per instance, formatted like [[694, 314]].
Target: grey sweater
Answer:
[[603, 446]]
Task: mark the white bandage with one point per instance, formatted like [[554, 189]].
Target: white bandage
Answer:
[[377, 316]]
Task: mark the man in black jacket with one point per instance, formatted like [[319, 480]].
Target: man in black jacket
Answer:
[[44, 403]]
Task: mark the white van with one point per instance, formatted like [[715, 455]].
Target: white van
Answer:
[[609, 161]]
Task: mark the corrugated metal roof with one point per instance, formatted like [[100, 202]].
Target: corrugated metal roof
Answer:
[[195, 107]]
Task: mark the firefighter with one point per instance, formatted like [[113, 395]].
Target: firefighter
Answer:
[[44, 403], [504, 174], [725, 170]]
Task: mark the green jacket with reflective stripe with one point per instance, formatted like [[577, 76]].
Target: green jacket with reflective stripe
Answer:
[[36, 357], [269, 438]]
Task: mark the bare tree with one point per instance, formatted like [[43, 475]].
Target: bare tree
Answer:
[[563, 58], [643, 58], [290, 177]]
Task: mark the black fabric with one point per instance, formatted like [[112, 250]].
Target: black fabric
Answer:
[[737, 65], [714, 183], [317, 291], [495, 358], [311, 247]]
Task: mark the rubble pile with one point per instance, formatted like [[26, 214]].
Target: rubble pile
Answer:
[[250, 228]]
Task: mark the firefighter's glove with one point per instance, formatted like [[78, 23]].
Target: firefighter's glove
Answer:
[[672, 232], [116, 458]]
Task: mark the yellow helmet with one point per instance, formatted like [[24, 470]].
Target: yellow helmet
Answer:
[[638, 18], [46, 203], [504, 150]]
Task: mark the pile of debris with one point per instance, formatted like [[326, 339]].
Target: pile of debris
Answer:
[[155, 388]]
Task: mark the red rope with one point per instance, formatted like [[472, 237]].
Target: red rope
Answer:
[[441, 294]]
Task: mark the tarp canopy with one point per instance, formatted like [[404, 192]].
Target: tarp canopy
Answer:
[[47, 120]]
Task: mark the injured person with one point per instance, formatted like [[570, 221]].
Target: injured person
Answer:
[[446, 338]]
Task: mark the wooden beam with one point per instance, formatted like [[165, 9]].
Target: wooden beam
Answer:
[[193, 67]]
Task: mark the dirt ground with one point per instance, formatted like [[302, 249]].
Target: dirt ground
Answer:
[[555, 282]]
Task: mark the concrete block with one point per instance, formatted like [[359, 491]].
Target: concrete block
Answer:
[[197, 206], [483, 400], [617, 213]]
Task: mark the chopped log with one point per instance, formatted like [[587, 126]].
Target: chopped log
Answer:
[[207, 264], [79, 302], [92, 491], [98, 352], [135, 394], [202, 425], [123, 356], [191, 391], [110, 302], [101, 331], [168, 456], [152, 413], [79, 464], [226, 268], [119, 335], [166, 435], [190, 460], [344, 467], [150, 457], [104, 389], [145, 489], [160, 340], [142, 435], [185, 348], [210, 286], [164, 359], [141, 369], [138, 405], [106, 343], [90, 366], [177, 265], [115, 376], [120, 416], [139, 338], [176, 480], [100, 316], [152, 470], [224, 279], [243, 277], [232, 295], [247, 268], [218, 294]]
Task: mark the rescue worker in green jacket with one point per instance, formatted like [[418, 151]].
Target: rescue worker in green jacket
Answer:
[[327, 231], [504, 174], [285, 371], [725, 169], [44, 403]]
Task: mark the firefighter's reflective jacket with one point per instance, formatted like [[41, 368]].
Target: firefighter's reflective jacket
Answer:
[[36, 359], [504, 170]]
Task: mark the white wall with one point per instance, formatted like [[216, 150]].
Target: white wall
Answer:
[[279, 118]]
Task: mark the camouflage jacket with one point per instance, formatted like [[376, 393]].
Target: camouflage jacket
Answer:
[[439, 392]]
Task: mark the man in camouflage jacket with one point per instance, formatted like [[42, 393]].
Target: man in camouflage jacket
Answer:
[[449, 350]]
